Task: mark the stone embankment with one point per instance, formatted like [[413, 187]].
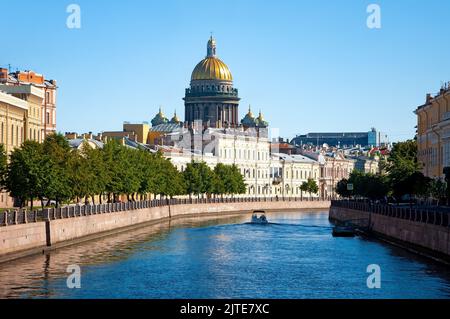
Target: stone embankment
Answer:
[[423, 231], [24, 233]]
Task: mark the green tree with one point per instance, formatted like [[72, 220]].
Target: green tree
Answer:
[[57, 152], [3, 167], [416, 184], [27, 173], [147, 181], [342, 188], [219, 179], [174, 183], [97, 171], [312, 187], [376, 186], [446, 172], [401, 165], [193, 179], [237, 181], [439, 190], [112, 157], [368, 185], [80, 176], [206, 177], [130, 172], [303, 188], [156, 174]]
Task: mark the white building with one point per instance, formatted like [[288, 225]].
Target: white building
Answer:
[[265, 174], [289, 172]]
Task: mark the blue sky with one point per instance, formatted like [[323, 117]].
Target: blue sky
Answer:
[[308, 65]]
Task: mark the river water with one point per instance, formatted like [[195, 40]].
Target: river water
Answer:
[[225, 257]]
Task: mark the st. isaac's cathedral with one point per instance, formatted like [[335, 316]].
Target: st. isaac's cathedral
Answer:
[[212, 133], [211, 97], [212, 114]]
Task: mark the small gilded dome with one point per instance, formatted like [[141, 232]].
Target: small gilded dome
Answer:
[[260, 121], [175, 119], [249, 120], [211, 67], [159, 119]]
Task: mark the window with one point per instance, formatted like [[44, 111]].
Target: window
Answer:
[[12, 134], [47, 118]]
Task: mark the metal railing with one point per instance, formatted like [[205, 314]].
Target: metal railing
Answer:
[[22, 216], [414, 214]]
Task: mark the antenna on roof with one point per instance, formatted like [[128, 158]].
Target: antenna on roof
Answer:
[[9, 68]]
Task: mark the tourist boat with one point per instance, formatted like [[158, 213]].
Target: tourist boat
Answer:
[[343, 231], [261, 219]]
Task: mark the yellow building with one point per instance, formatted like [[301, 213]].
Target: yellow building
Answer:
[[140, 130], [433, 133], [40, 93], [33, 97], [13, 119], [27, 111]]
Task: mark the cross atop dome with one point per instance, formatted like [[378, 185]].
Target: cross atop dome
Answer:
[[211, 47]]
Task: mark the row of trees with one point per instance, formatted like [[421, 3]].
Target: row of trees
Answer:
[[400, 177], [223, 180], [53, 172]]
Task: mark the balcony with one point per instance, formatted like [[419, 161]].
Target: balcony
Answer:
[[194, 93], [277, 180]]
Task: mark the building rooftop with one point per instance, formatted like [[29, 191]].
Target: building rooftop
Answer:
[[166, 128], [293, 158], [76, 143]]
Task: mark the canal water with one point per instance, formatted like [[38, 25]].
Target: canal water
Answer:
[[226, 257]]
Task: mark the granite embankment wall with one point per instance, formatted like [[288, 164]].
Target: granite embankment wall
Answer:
[[423, 231], [59, 226]]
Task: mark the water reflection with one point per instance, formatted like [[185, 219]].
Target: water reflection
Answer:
[[31, 276], [225, 257]]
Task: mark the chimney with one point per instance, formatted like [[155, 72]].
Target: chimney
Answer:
[[3, 75]]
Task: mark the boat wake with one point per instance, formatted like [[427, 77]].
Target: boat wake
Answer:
[[292, 225]]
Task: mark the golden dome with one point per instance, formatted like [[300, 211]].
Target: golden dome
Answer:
[[211, 68]]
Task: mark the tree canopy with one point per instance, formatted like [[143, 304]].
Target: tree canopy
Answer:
[[56, 173]]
